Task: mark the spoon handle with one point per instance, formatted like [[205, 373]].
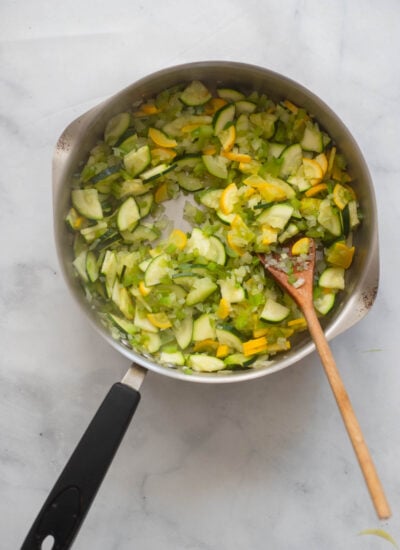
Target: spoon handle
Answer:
[[367, 466]]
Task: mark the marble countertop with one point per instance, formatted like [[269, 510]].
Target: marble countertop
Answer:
[[263, 464]]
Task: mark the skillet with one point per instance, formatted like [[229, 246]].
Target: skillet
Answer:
[[68, 502]]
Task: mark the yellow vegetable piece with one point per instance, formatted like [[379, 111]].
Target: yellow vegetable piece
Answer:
[[269, 234], [298, 324], [258, 345], [312, 171], [161, 139], [316, 189], [206, 345], [323, 162], [380, 533], [161, 193], [211, 150], [161, 154], [178, 238], [251, 167], [257, 332], [143, 289], [342, 195], [269, 191], [235, 243], [190, 127], [249, 192], [236, 157], [159, 320], [340, 255], [145, 110], [228, 198], [331, 160], [149, 109], [227, 138], [291, 106], [214, 105], [222, 351], [302, 246], [224, 308]]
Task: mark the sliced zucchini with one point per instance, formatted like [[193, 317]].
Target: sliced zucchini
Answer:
[[137, 161], [230, 94], [172, 358], [86, 202], [245, 106], [202, 288], [312, 139], [189, 182], [216, 252], [94, 232], [223, 118], [128, 215], [329, 218], [203, 328], [290, 231], [80, 265], [126, 326], [274, 312], [353, 215], [185, 280], [124, 302], [156, 172], [145, 202], [184, 333], [151, 341], [239, 360], [211, 198], [276, 216], [332, 277], [105, 175], [197, 242], [216, 165], [292, 158], [139, 234], [324, 302], [225, 218], [200, 362], [92, 267], [109, 269], [230, 339], [133, 187], [231, 291], [276, 149], [195, 94], [210, 248], [116, 127], [188, 161], [157, 269]]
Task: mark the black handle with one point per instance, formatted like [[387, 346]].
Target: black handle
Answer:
[[69, 501]]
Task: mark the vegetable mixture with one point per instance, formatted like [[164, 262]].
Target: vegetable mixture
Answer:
[[253, 174]]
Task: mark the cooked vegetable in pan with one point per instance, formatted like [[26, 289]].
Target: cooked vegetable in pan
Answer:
[[173, 205]]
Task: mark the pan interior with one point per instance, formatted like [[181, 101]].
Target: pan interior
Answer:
[[80, 136]]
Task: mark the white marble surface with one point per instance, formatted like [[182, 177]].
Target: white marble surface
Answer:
[[264, 464]]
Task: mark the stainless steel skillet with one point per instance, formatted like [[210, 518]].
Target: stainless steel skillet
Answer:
[[71, 497]]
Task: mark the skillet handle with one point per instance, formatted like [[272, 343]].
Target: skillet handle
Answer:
[[71, 497]]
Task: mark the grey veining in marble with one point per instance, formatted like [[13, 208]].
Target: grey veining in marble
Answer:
[[264, 464]]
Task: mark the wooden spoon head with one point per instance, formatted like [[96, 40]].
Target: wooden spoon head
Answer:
[[297, 280]]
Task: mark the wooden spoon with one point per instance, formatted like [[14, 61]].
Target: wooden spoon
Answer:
[[303, 294]]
